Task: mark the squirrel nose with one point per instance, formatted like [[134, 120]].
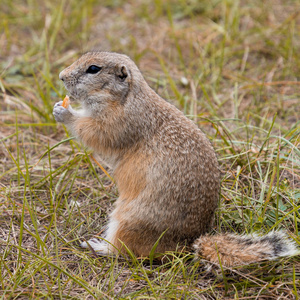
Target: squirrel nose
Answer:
[[61, 76]]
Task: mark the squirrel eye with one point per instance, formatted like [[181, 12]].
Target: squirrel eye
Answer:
[[93, 69]]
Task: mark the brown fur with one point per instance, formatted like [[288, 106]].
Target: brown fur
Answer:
[[131, 175], [164, 166], [228, 251]]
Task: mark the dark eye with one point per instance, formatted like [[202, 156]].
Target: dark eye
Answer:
[[93, 69]]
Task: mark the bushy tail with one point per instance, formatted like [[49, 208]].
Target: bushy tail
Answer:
[[235, 250]]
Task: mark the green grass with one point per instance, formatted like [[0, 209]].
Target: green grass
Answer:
[[231, 66]]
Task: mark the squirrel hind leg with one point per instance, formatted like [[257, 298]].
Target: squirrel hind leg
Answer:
[[232, 250]]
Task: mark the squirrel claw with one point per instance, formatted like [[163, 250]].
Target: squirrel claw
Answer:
[[58, 104], [100, 247]]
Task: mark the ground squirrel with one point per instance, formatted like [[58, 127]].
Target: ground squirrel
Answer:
[[165, 168]]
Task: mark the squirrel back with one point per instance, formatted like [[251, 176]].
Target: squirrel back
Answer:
[[165, 168]]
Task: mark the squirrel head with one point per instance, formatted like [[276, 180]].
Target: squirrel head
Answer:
[[97, 78]]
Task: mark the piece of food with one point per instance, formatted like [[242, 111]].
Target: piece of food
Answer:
[[66, 102]]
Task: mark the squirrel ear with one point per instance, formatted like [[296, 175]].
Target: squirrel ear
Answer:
[[122, 72]]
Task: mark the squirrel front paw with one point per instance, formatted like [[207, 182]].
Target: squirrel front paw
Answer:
[[61, 114]]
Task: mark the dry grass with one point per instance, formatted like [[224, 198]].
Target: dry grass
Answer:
[[232, 66]]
